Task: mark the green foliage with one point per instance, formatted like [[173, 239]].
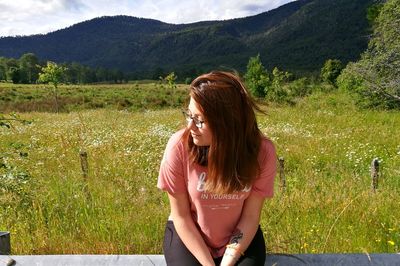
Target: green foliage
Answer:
[[52, 73], [79, 74], [11, 62], [331, 70], [379, 67], [348, 81], [26, 70], [277, 92], [3, 73], [299, 88], [29, 68], [277, 86], [354, 84], [373, 12], [171, 81], [14, 74], [3, 69], [256, 77]]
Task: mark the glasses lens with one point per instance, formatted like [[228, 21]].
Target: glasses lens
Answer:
[[197, 122], [190, 118]]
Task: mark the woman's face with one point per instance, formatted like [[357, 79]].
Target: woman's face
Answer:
[[201, 136]]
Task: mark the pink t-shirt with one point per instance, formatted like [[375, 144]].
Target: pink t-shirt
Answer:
[[216, 215]]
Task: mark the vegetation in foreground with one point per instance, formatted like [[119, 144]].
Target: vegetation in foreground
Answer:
[[328, 206]]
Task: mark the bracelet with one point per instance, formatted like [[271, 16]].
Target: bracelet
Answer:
[[234, 247]]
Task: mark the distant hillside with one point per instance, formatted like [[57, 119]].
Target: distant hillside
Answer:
[[298, 37]]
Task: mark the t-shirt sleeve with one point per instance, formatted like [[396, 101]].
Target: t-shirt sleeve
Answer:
[[264, 184], [171, 176]]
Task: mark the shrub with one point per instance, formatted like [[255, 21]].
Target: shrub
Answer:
[[299, 88], [331, 70], [256, 77]]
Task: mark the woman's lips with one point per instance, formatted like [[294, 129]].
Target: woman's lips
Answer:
[[194, 135]]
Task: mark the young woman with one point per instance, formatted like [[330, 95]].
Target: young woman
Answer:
[[217, 172]]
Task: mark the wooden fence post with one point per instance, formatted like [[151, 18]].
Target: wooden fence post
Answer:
[[84, 164], [85, 171], [282, 183], [375, 173]]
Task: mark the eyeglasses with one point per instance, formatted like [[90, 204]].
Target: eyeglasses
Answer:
[[189, 118]]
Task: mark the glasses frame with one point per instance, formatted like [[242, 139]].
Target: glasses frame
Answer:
[[189, 118]]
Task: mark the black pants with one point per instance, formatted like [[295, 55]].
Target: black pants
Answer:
[[176, 253]]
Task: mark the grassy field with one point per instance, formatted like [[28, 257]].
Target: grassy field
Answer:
[[133, 97], [328, 206]]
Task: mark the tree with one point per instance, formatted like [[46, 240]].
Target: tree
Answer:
[[53, 74], [3, 69], [3, 73], [168, 82], [86, 75], [256, 77], [277, 91], [102, 74], [12, 70], [379, 66], [331, 70], [171, 81], [117, 76], [14, 74], [373, 12], [29, 68]]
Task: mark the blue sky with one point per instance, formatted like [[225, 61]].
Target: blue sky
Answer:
[[26, 17]]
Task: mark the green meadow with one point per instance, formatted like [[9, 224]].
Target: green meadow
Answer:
[[127, 96], [327, 143]]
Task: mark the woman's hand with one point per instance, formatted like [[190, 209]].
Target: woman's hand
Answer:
[[245, 231], [231, 256]]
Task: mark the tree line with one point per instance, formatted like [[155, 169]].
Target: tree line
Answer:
[[26, 70]]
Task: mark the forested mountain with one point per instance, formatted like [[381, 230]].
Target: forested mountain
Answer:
[[297, 37]]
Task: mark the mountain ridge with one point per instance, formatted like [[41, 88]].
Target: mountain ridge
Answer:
[[298, 36]]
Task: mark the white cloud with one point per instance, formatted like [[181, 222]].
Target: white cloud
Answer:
[[25, 17]]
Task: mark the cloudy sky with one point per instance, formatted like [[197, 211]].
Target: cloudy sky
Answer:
[[26, 17]]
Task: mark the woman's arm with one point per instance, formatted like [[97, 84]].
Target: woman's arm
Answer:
[[245, 231], [186, 229]]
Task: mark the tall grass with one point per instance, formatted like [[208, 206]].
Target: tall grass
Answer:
[[328, 205], [328, 146]]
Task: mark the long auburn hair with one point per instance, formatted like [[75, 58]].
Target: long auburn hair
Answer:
[[228, 110]]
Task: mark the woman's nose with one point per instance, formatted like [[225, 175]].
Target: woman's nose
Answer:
[[191, 124]]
